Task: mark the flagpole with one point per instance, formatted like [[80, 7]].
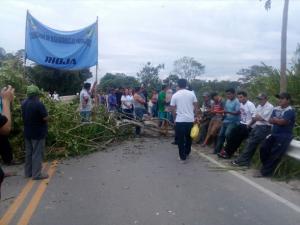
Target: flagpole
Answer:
[[25, 54], [97, 54], [96, 96]]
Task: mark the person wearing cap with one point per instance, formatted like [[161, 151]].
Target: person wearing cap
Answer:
[[262, 128], [35, 117], [205, 116], [275, 145], [241, 132]]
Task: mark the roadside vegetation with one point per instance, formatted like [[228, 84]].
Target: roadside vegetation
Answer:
[[69, 137]]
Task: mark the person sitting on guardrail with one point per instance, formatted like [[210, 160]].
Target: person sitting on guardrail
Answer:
[[242, 131], [231, 119], [262, 128], [217, 111], [276, 144]]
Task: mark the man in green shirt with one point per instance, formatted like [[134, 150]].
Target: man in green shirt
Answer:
[[161, 102]]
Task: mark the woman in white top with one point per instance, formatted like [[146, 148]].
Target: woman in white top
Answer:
[[127, 101]]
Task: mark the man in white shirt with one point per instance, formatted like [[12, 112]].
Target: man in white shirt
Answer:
[[85, 103], [184, 102], [261, 130], [241, 132]]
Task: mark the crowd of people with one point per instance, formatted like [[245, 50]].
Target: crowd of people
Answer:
[[228, 123], [225, 123]]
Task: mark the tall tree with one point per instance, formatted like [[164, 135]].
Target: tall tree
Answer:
[[111, 80], [11, 72], [149, 75], [188, 68], [249, 74], [283, 80], [171, 80], [62, 81]]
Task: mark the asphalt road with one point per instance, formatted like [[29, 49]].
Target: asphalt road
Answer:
[[142, 182]]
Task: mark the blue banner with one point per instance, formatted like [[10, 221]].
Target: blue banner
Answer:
[[69, 50]]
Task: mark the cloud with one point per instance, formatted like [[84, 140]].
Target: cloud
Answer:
[[223, 35]]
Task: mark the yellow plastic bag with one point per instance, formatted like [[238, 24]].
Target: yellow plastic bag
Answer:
[[195, 131]]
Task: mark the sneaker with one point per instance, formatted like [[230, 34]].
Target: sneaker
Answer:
[[236, 163], [41, 177], [223, 155]]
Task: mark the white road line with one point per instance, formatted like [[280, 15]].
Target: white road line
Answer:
[[253, 184]]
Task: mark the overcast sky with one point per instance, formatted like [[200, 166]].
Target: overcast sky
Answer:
[[224, 35]]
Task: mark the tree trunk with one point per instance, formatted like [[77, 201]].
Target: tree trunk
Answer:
[[283, 80]]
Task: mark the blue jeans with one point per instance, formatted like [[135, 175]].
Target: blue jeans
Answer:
[[85, 116], [223, 135], [139, 113]]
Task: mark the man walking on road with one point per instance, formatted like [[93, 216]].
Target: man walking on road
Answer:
[[184, 102]]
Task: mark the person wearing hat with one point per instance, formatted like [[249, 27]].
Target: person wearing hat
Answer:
[[35, 117], [262, 128], [275, 145]]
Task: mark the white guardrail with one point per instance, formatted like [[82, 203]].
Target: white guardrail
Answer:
[[294, 149]]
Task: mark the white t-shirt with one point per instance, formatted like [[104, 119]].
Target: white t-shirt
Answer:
[[184, 101], [264, 112], [126, 101], [85, 105], [247, 112], [56, 97]]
